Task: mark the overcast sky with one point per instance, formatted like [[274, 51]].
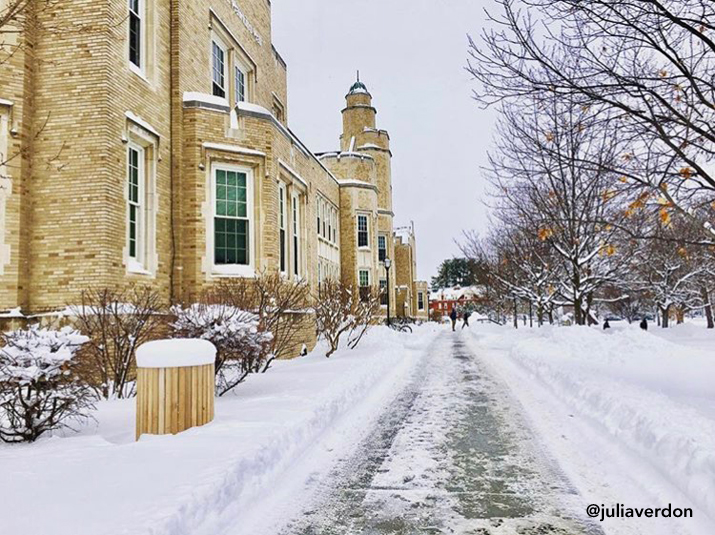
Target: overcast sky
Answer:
[[411, 55]]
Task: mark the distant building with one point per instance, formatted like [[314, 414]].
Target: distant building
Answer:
[[445, 299]]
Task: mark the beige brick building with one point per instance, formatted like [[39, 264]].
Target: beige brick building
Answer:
[[147, 141]]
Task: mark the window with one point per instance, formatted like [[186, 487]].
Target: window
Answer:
[[296, 237], [136, 33], [364, 277], [335, 226], [363, 234], [278, 112], [330, 223], [364, 283], [240, 87], [383, 292], [231, 220], [282, 226], [218, 68], [136, 173], [420, 301], [319, 211], [382, 248]]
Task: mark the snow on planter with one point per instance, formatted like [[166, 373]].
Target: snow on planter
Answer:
[[175, 386], [176, 353]]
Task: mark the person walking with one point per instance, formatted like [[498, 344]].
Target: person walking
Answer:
[[644, 324], [466, 319], [453, 317], [606, 325]]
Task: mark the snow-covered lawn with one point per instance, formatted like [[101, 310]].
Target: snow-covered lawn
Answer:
[[100, 482], [629, 415]]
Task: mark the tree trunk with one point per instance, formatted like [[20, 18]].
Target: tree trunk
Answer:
[[680, 315], [577, 312], [665, 312], [708, 307], [516, 316]]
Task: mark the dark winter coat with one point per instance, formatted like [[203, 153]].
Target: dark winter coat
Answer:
[[606, 325], [644, 324], [453, 314]]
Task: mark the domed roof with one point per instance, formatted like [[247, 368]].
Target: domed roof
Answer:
[[358, 87]]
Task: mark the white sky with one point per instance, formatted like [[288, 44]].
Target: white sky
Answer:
[[411, 55]]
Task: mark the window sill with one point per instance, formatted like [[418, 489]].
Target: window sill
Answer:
[[233, 271], [135, 268], [139, 72]]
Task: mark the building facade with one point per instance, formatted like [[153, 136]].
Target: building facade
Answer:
[[147, 142]]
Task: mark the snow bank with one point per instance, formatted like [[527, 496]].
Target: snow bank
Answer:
[[103, 483], [177, 353], [653, 396]]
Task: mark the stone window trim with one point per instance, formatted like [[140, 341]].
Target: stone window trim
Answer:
[[231, 270], [141, 18], [5, 180], [146, 144]]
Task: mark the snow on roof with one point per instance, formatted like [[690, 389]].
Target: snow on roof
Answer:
[[456, 293], [176, 353]]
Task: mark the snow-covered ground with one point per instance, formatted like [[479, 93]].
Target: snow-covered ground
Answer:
[[465, 426], [629, 415], [100, 482]]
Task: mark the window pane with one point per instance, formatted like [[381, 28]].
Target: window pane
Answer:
[[231, 241], [218, 70], [135, 33]]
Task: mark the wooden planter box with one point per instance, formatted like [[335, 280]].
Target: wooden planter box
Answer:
[[175, 386]]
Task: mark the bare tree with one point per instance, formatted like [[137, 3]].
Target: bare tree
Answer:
[[117, 322], [676, 275], [541, 194], [648, 66]]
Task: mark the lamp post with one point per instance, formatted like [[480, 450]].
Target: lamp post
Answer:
[[388, 264]]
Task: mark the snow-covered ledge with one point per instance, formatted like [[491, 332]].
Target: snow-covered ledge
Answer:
[[193, 99]]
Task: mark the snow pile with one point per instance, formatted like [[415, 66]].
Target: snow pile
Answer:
[[653, 396], [199, 482]]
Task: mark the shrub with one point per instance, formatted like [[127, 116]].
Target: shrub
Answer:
[[340, 310], [241, 346], [281, 306], [116, 322], [39, 390]]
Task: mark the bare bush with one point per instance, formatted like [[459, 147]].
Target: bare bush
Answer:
[[39, 389], [242, 347], [281, 306], [342, 310], [116, 322]]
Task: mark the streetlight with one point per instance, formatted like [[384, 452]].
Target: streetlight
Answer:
[[388, 264]]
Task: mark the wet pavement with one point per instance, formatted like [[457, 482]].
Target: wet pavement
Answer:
[[452, 456]]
